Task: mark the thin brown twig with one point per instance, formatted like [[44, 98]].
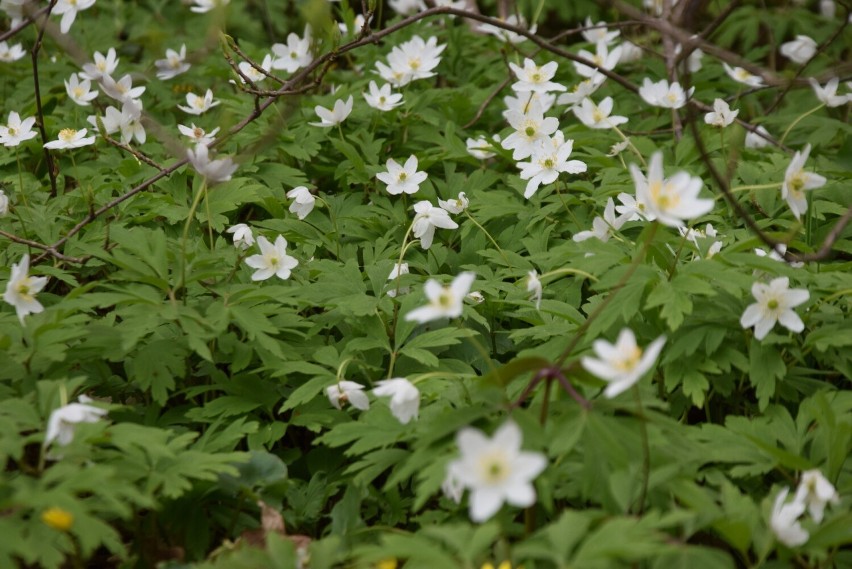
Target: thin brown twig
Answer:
[[136, 153], [39, 110], [23, 25]]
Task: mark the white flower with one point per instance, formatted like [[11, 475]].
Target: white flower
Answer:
[[597, 116], [8, 54], [784, 521], [630, 52], [357, 25], [480, 147], [4, 203], [398, 270], [661, 94], [669, 200], [508, 35], [522, 102], [254, 74], [121, 90], [68, 10], [796, 181], [303, 201], [815, 492], [455, 206], [603, 58], [618, 148], [405, 398], [496, 470], [350, 391], [15, 10], [214, 171], [335, 116], [402, 179], [534, 288], [582, 90], [530, 128], [632, 208], [103, 65], [775, 256], [382, 98], [273, 260], [754, 140], [80, 92], [444, 301], [799, 50], [693, 61], [475, 297], [202, 6], [198, 105], [622, 364], [197, 134], [775, 303], [243, 237], [656, 6], [549, 159], [173, 65], [60, 425], [130, 123], [828, 94], [532, 78], [452, 486], [740, 75], [827, 8], [426, 219], [407, 7], [411, 60], [22, 288], [598, 33], [70, 138], [295, 54], [603, 226], [709, 233], [722, 114], [16, 131]]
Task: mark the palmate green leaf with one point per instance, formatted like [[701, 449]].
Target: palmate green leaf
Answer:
[[626, 539], [155, 366], [765, 367]]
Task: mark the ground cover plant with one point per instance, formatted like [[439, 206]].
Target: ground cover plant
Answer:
[[418, 284]]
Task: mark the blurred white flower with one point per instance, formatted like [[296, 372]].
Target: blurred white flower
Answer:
[[16, 131], [197, 105], [8, 53], [784, 521], [255, 75], [669, 200], [427, 217], [80, 91], [121, 90], [603, 58], [202, 6], [455, 206], [398, 270], [598, 33], [444, 301], [534, 78], [816, 492], [303, 201], [350, 391], [198, 134], [334, 116], [405, 398], [22, 288], [622, 364], [173, 65], [62, 421], [508, 35], [602, 227], [740, 75], [68, 10], [796, 181], [661, 94], [243, 237], [828, 94], [799, 50], [530, 128], [481, 148], [382, 98], [103, 65], [597, 116], [548, 160], [214, 171], [293, 55], [69, 138], [753, 140], [722, 114], [534, 288]]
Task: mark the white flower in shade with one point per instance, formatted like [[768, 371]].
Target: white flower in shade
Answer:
[[656, 6], [784, 521], [303, 201], [357, 25], [530, 128], [496, 470], [398, 270], [198, 134], [595, 33], [426, 219], [293, 55], [407, 7], [243, 237], [16, 131], [603, 58], [14, 10], [130, 123], [444, 301], [534, 288], [22, 288], [699, 238], [816, 492], [602, 227], [622, 364], [630, 52], [68, 10], [334, 116], [661, 94], [452, 486], [70, 138], [60, 425], [405, 398], [534, 78], [347, 391], [455, 206], [4, 203], [740, 75], [582, 90], [254, 74], [272, 261], [402, 179], [8, 53], [632, 208], [775, 256], [382, 98], [775, 303], [523, 102], [597, 116], [722, 114], [693, 61], [80, 91], [549, 159], [508, 35], [103, 65], [197, 105], [214, 171], [481, 148], [828, 94], [754, 140], [796, 181], [173, 65], [202, 6], [618, 148], [799, 50], [827, 8], [669, 200], [475, 297], [121, 90]]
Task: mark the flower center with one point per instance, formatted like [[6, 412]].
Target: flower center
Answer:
[[403, 176], [445, 299], [494, 467], [536, 77], [797, 184], [382, 99], [78, 92], [529, 131], [12, 131], [548, 163], [198, 132], [597, 115], [24, 290], [274, 262], [67, 134], [772, 304], [414, 63], [631, 360]]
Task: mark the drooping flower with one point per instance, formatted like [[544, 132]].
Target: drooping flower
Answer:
[[173, 65], [382, 98], [68, 10], [534, 288], [70, 138], [740, 75], [622, 364], [347, 391], [597, 116], [402, 179], [398, 270], [197, 105], [62, 421], [669, 200], [602, 227], [214, 171], [22, 288], [775, 303], [455, 206], [796, 181], [131, 123], [103, 65], [405, 398], [784, 521], [754, 140], [444, 301], [661, 94], [303, 201], [799, 50], [534, 78], [816, 492], [426, 219], [80, 91], [549, 159], [828, 94], [243, 237], [273, 260], [16, 131], [496, 470], [631, 52], [722, 114], [334, 116]]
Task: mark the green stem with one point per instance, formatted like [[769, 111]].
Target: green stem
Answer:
[[192, 209], [631, 146], [490, 238], [756, 187], [798, 119], [392, 331]]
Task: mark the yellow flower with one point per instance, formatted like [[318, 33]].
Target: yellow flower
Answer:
[[504, 565], [57, 518], [386, 564]]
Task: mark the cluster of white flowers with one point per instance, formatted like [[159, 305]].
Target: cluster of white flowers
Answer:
[[411, 60], [813, 494], [404, 396]]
